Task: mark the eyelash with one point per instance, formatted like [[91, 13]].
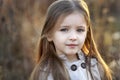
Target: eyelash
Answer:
[[78, 30], [64, 30]]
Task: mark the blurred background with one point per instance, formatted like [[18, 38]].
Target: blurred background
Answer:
[[21, 23]]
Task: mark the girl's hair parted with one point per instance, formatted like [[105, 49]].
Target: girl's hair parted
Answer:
[[48, 60]]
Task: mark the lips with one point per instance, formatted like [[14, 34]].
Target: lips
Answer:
[[72, 45]]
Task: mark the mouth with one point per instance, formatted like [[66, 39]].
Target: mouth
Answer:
[[72, 45]]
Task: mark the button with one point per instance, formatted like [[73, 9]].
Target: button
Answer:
[[73, 67], [83, 65]]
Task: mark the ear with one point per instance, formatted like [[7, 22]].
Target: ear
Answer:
[[49, 37]]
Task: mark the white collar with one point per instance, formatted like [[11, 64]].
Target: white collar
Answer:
[[81, 56]]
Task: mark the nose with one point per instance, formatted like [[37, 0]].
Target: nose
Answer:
[[73, 36]]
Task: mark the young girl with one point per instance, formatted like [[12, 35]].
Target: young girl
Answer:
[[67, 50]]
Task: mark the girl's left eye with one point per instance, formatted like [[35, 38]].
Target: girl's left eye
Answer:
[[80, 30]]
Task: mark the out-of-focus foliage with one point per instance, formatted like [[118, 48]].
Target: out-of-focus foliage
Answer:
[[105, 15], [21, 23]]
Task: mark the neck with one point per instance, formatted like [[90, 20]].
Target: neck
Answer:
[[72, 58]]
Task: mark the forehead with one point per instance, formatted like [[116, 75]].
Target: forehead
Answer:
[[75, 18]]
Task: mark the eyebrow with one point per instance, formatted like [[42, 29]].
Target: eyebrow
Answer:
[[67, 26], [82, 26]]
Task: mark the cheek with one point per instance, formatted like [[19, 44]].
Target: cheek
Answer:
[[82, 38], [58, 38]]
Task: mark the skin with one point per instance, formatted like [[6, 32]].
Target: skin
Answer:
[[69, 35]]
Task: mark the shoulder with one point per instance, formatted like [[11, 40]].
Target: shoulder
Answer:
[[44, 75], [94, 62], [97, 68]]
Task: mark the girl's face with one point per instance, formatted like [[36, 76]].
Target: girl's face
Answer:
[[69, 35]]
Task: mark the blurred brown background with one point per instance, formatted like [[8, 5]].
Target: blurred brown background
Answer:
[[20, 26]]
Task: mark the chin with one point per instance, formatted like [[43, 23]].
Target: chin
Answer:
[[71, 53]]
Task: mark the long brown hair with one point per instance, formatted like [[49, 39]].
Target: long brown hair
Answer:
[[48, 60]]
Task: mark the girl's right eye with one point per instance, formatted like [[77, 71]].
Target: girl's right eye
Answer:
[[64, 30]]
